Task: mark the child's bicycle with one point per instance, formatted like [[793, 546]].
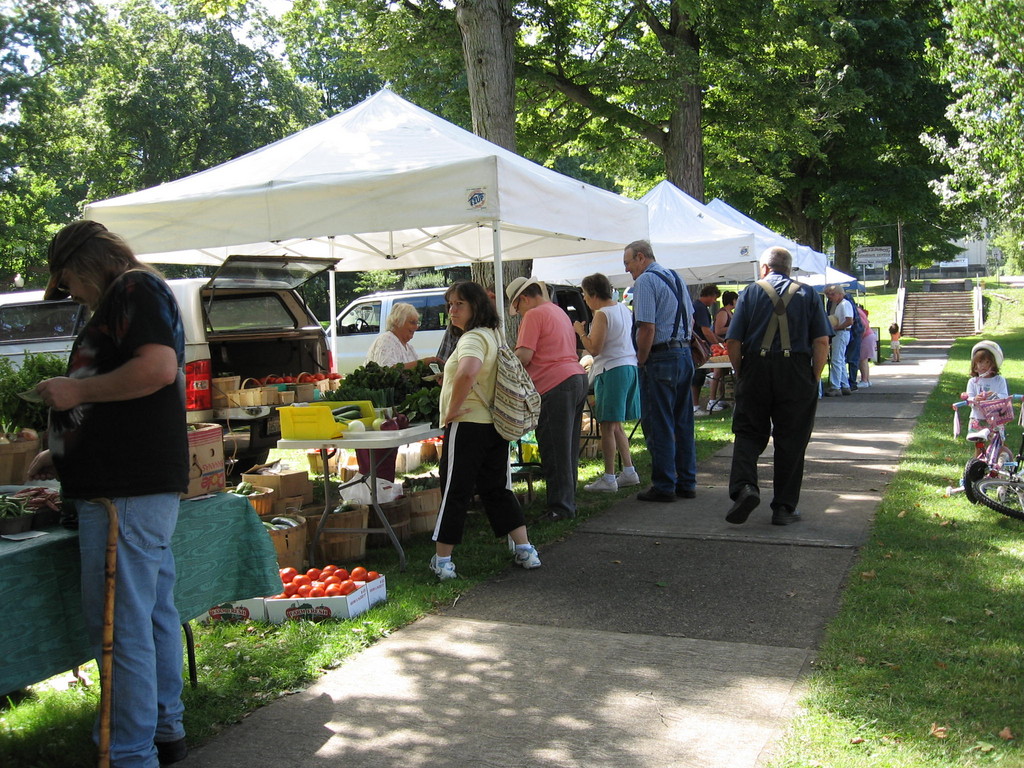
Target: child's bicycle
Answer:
[[994, 478]]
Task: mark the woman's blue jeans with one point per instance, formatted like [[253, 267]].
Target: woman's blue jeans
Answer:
[[146, 704]]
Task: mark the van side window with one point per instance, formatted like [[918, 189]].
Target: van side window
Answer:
[[362, 318], [49, 320], [433, 311], [248, 312]]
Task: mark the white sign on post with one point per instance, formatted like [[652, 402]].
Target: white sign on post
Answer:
[[880, 256]]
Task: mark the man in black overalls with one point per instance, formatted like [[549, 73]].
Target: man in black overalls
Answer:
[[778, 346]]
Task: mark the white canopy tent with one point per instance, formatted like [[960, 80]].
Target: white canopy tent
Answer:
[[686, 236], [383, 185], [831, 276], [805, 258]]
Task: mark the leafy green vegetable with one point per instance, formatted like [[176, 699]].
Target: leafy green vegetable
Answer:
[[16, 413]]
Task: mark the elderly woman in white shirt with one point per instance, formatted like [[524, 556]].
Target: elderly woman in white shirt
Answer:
[[392, 347]]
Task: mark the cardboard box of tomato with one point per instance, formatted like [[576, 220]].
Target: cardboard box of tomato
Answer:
[[238, 610], [317, 608]]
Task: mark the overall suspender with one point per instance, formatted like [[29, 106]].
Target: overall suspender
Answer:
[[778, 323], [677, 291]]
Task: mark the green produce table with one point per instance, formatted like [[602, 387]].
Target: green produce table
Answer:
[[221, 550]]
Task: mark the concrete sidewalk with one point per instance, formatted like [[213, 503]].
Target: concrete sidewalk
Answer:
[[655, 635]]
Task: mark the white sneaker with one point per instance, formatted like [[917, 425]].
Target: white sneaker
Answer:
[[603, 484], [864, 384], [527, 558], [718, 405], [698, 411], [445, 571], [626, 479]]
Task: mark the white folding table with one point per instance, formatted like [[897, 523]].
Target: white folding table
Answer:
[[378, 443]]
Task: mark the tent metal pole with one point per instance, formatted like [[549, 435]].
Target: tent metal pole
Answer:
[[332, 303], [499, 276]]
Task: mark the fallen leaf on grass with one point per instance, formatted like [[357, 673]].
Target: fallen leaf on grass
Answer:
[[902, 513], [949, 619], [982, 746], [890, 665], [861, 660], [857, 740], [1006, 734], [939, 731], [868, 574], [940, 665], [989, 612]]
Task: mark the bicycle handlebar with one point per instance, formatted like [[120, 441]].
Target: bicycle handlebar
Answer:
[[970, 401]]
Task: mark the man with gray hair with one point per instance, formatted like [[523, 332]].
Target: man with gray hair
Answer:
[[778, 345]]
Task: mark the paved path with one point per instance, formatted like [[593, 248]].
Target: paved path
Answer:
[[656, 635]]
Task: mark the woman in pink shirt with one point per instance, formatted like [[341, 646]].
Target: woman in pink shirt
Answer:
[[547, 347]]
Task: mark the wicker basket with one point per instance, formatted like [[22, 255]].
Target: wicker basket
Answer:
[[341, 547], [397, 514], [423, 506], [262, 499], [14, 460], [290, 545]]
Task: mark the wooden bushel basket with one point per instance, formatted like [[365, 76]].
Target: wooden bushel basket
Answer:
[[341, 547], [14, 461]]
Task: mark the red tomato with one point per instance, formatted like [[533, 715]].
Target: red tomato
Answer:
[[332, 579], [314, 573], [287, 574], [333, 376], [302, 580], [290, 589], [282, 596], [341, 573], [357, 574], [318, 585], [317, 592], [333, 590], [372, 575], [319, 377], [347, 587], [328, 569], [303, 590]]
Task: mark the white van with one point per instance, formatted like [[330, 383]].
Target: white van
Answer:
[[363, 320], [359, 323], [248, 320]]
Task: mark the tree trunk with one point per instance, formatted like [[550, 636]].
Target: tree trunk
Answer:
[[488, 32], [841, 234], [684, 144]]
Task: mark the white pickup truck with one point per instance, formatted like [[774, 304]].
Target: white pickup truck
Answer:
[[248, 320]]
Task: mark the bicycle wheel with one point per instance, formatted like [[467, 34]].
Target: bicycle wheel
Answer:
[[1004, 496], [975, 470]]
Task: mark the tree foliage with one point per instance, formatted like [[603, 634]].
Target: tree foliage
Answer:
[[982, 60]]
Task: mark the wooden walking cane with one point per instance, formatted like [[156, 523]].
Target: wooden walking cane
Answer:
[[107, 649]]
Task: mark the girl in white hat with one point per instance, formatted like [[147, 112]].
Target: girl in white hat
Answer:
[[985, 384]]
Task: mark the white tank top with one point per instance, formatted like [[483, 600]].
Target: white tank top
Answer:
[[618, 342]]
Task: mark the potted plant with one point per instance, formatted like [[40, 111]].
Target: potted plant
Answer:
[[15, 516]]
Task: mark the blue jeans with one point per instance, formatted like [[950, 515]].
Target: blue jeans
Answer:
[[838, 378], [667, 405], [558, 439], [146, 704]]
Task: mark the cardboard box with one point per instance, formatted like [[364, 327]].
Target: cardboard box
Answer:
[[238, 610], [376, 591], [318, 608], [290, 505], [206, 460], [287, 482]]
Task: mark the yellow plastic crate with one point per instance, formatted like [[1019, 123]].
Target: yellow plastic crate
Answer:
[[312, 421]]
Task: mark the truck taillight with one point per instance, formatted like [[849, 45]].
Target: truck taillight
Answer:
[[198, 394]]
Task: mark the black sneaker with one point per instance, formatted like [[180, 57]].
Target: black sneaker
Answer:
[[744, 503], [168, 752], [652, 494]]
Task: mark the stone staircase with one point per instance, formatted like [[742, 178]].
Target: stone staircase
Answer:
[[939, 315]]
